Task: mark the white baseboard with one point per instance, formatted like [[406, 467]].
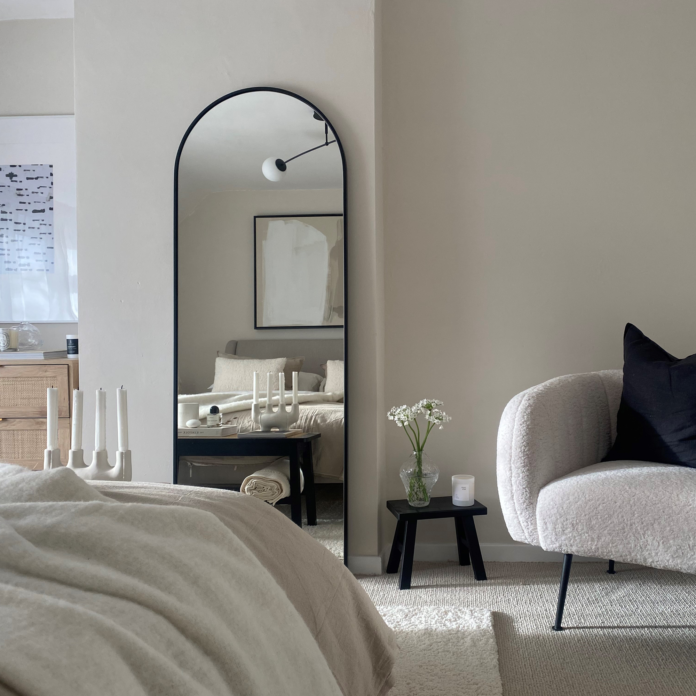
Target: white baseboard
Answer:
[[438, 553]]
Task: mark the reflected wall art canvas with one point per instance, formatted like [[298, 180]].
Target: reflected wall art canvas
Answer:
[[298, 271]]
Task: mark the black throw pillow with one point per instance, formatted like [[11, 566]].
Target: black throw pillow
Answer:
[[657, 416]]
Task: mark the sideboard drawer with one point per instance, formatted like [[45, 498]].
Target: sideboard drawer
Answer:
[[23, 390], [23, 441]]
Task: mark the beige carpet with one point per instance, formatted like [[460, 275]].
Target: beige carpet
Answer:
[[629, 634]]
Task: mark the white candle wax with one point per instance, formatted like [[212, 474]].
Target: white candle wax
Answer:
[[256, 388], [122, 418], [269, 394], [463, 490], [100, 422], [294, 387], [51, 418], [76, 439], [281, 388]]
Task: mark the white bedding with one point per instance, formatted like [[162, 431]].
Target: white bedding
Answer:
[[152, 595]]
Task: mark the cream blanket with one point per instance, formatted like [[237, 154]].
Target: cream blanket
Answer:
[[100, 597], [230, 402], [271, 483]]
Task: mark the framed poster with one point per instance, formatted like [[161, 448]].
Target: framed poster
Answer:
[[38, 236], [298, 271]]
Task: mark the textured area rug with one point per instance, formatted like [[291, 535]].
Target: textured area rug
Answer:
[[629, 634], [444, 652]]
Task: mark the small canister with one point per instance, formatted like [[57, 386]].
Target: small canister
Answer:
[[9, 339], [73, 346], [463, 490]]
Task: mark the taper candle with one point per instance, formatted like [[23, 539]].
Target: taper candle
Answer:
[[122, 418], [51, 418], [281, 389], [100, 422], [269, 394], [295, 377], [76, 435], [256, 388]]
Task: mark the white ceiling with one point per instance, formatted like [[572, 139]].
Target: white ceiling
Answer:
[[36, 9], [227, 147]]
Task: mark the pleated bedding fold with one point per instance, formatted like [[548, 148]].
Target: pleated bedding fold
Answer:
[[271, 484]]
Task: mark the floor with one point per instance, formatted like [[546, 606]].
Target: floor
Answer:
[[629, 634]]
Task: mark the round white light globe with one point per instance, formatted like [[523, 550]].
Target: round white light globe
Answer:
[[270, 170], [193, 423]]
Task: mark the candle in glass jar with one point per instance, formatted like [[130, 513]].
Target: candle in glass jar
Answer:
[[462, 490]]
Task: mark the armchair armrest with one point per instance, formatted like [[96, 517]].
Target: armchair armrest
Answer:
[[549, 431]]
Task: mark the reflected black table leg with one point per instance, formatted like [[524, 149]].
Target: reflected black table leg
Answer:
[[295, 494], [474, 549], [409, 546], [309, 489], [397, 548], [461, 542]]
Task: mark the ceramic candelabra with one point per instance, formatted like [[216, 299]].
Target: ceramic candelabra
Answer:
[[99, 469], [283, 417]]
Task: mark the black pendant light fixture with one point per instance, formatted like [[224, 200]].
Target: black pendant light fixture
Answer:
[[274, 168]]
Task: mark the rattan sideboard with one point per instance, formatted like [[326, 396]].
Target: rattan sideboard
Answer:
[[23, 385]]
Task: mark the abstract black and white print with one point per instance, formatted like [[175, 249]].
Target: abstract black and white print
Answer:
[[26, 218]]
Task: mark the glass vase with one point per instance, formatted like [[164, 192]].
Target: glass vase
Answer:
[[419, 475]]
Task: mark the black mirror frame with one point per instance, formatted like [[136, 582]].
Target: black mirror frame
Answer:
[[345, 285]]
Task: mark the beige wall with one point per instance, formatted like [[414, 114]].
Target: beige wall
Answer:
[[216, 274], [36, 79], [540, 169], [143, 72]]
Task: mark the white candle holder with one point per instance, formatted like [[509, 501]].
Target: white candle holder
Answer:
[[282, 418], [52, 459], [76, 459]]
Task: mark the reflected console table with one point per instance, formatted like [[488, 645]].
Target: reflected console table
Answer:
[[298, 449]]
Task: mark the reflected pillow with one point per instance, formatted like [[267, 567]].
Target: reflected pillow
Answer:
[[238, 375], [291, 365], [334, 377], [308, 381]]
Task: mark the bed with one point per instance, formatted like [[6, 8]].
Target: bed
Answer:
[[136, 588], [319, 412]]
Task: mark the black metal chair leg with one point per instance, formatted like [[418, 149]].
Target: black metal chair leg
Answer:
[[565, 575], [611, 570]]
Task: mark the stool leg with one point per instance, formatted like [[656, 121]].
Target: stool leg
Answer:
[[611, 570], [565, 575], [397, 547], [462, 550], [295, 496], [474, 548], [407, 564]]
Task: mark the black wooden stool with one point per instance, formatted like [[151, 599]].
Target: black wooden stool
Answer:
[[405, 535]]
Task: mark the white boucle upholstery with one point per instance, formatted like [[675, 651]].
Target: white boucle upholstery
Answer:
[[637, 512], [555, 495], [548, 431]]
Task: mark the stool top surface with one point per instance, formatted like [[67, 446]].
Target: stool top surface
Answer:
[[439, 507]]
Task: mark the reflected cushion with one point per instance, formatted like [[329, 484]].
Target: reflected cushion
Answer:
[[657, 416], [291, 364], [308, 381], [334, 377], [238, 375]]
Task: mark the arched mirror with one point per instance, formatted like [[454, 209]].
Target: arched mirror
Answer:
[[260, 307]]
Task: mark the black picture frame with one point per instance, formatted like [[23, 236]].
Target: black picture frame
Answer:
[[175, 285], [256, 281]]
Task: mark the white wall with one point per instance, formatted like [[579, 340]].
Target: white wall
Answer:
[[36, 79], [540, 169], [143, 72], [216, 274]]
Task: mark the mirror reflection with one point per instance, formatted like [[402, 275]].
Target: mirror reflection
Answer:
[[260, 306]]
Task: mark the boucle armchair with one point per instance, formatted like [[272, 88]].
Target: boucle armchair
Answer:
[[557, 494]]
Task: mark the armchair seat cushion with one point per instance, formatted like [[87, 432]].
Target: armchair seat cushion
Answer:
[[630, 511]]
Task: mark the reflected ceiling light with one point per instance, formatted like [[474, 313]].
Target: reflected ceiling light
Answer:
[[274, 168]]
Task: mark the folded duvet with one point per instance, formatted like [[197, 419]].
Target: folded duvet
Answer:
[[103, 597]]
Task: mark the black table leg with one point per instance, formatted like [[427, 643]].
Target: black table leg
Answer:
[[474, 549], [397, 548], [295, 494], [309, 489], [462, 549], [409, 546]]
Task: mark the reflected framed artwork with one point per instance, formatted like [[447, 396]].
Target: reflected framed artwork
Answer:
[[298, 271]]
